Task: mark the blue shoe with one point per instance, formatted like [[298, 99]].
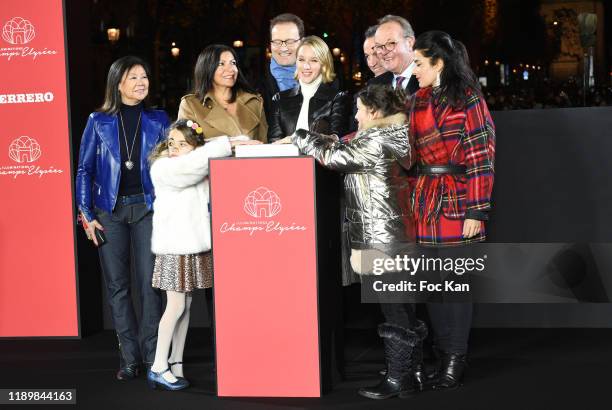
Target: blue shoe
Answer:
[[172, 364], [156, 380]]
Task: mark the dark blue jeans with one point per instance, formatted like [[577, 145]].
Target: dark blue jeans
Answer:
[[128, 236]]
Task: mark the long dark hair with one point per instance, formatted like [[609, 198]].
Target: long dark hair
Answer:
[[112, 96], [457, 79], [205, 68]]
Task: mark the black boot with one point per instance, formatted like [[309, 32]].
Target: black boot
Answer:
[[128, 372], [399, 347], [418, 368], [449, 373]]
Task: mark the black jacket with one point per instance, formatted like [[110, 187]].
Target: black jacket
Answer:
[[385, 79], [327, 106], [267, 87]]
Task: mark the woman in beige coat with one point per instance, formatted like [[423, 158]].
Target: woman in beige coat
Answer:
[[222, 102]]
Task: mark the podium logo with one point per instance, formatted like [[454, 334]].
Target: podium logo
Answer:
[[18, 31], [24, 149], [262, 203]]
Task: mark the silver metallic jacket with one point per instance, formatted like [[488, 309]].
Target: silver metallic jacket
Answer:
[[376, 187]]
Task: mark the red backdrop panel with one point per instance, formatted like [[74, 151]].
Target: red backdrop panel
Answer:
[[263, 222], [37, 269]]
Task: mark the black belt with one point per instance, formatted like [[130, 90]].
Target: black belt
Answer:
[[441, 169]]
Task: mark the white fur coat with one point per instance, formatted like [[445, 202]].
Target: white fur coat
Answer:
[[181, 221]]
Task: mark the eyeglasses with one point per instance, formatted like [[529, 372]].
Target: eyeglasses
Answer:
[[287, 43], [388, 46]]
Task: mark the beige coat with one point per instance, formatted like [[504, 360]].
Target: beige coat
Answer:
[[250, 118]]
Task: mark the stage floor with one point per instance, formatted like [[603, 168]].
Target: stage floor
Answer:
[[509, 369]]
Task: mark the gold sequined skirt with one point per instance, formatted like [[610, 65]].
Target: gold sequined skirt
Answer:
[[183, 273]]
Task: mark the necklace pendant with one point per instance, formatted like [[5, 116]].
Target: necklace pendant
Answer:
[[129, 165]]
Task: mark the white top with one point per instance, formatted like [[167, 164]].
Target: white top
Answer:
[[407, 73], [307, 90], [181, 222]]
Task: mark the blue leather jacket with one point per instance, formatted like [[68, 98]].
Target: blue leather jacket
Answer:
[[99, 170]]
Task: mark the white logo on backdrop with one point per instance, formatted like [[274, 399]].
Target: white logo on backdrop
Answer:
[[27, 98], [18, 31], [24, 149], [262, 203]]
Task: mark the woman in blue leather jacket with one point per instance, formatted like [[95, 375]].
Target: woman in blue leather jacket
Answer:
[[115, 195]]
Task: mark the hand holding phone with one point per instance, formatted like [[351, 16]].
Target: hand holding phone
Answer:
[[93, 230]]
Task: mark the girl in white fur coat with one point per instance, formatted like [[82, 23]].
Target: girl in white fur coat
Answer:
[[181, 238]]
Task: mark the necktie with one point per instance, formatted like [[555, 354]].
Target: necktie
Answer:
[[399, 81]]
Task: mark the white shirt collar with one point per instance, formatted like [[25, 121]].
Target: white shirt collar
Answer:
[[407, 73]]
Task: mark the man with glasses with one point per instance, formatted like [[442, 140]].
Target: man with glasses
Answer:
[[450, 322], [286, 32], [393, 43]]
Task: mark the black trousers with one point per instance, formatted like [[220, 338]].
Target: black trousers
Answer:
[[450, 322], [400, 314]]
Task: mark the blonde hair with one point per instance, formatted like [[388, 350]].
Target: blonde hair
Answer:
[[321, 51]]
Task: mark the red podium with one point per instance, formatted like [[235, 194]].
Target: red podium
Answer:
[[271, 338]]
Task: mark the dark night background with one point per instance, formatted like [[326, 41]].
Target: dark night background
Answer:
[[512, 32], [515, 33]]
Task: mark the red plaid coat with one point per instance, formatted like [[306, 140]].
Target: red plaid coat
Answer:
[[443, 135]]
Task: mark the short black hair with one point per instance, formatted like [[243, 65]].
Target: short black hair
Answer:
[[370, 32], [288, 18]]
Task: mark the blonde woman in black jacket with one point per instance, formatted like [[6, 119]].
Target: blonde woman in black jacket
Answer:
[[316, 98]]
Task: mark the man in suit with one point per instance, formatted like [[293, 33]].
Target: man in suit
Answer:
[[393, 44], [394, 41], [286, 33], [374, 64]]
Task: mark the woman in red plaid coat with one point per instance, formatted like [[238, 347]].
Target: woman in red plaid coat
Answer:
[[454, 138]]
